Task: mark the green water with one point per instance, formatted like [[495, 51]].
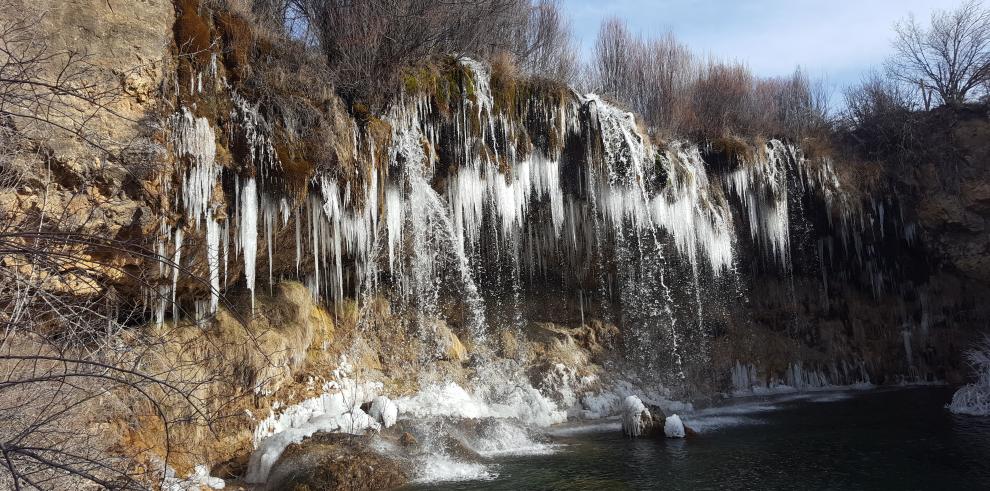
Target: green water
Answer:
[[880, 439]]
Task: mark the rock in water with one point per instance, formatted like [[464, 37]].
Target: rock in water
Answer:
[[640, 420], [333, 461], [673, 427], [384, 411]]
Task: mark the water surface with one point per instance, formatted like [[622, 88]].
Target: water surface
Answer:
[[881, 439]]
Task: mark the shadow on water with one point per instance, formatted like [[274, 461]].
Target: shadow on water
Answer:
[[884, 439]]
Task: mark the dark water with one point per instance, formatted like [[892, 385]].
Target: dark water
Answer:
[[886, 439]]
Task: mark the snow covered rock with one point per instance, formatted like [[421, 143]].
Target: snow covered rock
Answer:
[[384, 411], [673, 427], [640, 420], [974, 399], [199, 480]]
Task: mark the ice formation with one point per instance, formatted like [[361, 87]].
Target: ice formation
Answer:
[[974, 398], [673, 427], [248, 227], [746, 381], [384, 411], [522, 402], [628, 218], [337, 409], [634, 413]]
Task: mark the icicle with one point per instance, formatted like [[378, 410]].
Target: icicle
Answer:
[[248, 228], [213, 259], [176, 261], [195, 138]]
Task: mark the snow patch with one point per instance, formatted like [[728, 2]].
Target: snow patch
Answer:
[[611, 401], [199, 480], [519, 401]]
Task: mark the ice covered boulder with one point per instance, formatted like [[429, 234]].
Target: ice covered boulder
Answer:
[[384, 411], [673, 427], [638, 419]]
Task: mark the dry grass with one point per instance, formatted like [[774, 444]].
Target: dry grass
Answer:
[[225, 366], [192, 33]]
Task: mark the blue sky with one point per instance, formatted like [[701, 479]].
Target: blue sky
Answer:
[[837, 39]]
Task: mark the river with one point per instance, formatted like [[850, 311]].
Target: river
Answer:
[[876, 439]]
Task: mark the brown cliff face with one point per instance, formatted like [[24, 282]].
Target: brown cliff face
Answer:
[[953, 197], [86, 160]]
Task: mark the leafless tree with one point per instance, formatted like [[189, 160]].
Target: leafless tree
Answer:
[[546, 48], [653, 76], [951, 57], [611, 69], [678, 95]]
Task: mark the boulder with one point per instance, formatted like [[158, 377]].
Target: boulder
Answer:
[[638, 419]]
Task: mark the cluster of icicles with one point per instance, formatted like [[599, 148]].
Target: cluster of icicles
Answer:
[[634, 203]]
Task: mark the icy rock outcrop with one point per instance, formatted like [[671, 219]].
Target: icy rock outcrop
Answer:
[[673, 427], [974, 399], [384, 411], [640, 420], [337, 410]]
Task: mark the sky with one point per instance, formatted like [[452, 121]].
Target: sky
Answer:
[[837, 40]]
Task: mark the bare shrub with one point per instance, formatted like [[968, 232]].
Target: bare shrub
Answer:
[[878, 119], [546, 48], [367, 44], [677, 95], [722, 99]]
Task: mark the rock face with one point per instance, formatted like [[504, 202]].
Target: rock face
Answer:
[[953, 199], [91, 171], [124, 46]]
